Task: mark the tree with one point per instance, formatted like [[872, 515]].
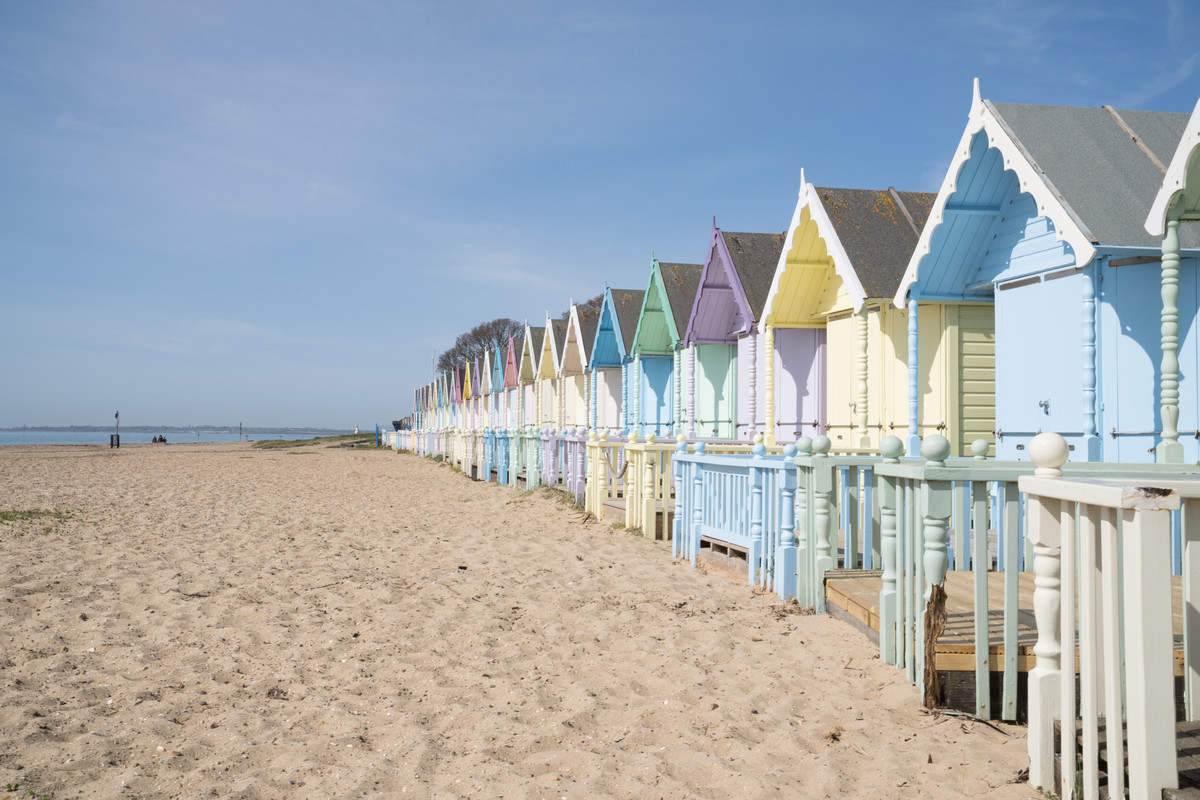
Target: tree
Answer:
[[483, 338], [595, 302]]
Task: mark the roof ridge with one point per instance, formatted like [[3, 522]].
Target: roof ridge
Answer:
[[1141, 145]]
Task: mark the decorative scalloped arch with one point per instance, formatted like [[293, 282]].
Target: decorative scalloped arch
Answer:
[[1032, 181], [1182, 180]]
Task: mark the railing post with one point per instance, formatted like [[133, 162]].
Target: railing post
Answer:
[[755, 557], [677, 524], [633, 483], [786, 562], [648, 500], [822, 488], [1048, 455], [891, 448], [805, 546], [937, 502], [697, 505]]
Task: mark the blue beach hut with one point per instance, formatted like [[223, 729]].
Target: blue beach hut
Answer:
[[1039, 222]]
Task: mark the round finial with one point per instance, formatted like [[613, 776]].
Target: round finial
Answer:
[[891, 447], [681, 443], [604, 434], [789, 451], [699, 447], [650, 437], [593, 435], [758, 449], [804, 444], [758, 438], [979, 449], [1048, 451], [935, 449], [633, 434], [821, 445], [679, 437]]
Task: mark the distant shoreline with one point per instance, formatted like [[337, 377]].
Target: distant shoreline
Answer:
[[184, 429]]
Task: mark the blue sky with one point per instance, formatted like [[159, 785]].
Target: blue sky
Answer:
[[277, 212]]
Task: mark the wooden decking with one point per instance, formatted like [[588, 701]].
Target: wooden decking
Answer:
[[855, 594]]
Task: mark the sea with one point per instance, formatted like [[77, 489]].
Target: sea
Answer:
[[136, 437]]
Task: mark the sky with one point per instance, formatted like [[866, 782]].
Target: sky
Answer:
[[278, 213]]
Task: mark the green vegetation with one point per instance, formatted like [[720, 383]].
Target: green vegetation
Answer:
[[347, 440], [13, 787], [27, 520]]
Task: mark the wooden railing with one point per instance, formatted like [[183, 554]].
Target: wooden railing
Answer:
[[606, 470], [1119, 533], [747, 502]]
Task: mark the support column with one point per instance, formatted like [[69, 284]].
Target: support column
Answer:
[[1091, 438], [769, 353], [692, 392], [914, 431], [636, 423], [624, 412], [677, 375], [862, 435], [1169, 450], [752, 426]]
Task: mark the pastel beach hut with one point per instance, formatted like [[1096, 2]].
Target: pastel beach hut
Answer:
[[512, 385], [549, 396], [848, 250], [497, 387], [612, 356], [527, 373], [720, 336], [574, 366], [1037, 226], [657, 345], [1177, 201]]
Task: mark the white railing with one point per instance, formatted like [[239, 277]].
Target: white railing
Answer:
[[1118, 531]]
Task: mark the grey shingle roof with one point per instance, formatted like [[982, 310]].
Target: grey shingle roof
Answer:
[[681, 282], [589, 320], [628, 304], [536, 337], [755, 257], [560, 336], [1101, 173], [875, 232]]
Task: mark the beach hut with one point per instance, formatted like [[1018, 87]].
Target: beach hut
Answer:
[[512, 384], [527, 374], [1177, 201], [657, 345], [574, 362], [497, 387], [550, 396], [1038, 226], [830, 304], [612, 355], [720, 335]]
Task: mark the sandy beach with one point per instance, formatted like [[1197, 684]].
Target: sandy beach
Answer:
[[215, 621]]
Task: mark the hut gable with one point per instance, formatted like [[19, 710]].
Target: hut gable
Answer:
[[548, 361], [512, 361], [498, 364], [613, 340], [1179, 194], [1053, 182], [733, 285], [666, 307], [581, 334], [843, 248]]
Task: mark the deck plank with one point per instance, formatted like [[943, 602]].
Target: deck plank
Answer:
[[856, 592]]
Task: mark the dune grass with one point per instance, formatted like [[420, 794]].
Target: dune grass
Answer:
[[349, 439]]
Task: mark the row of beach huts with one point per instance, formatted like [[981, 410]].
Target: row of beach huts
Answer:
[[967, 422]]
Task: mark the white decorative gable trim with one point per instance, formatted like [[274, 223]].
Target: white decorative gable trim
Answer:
[[809, 198], [1175, 181], [1067, 225]]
